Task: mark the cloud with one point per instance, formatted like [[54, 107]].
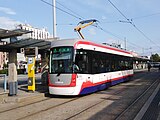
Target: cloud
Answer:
[[7, 11], [7, 23]]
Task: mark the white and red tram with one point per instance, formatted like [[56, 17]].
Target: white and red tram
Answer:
[[80, 67]]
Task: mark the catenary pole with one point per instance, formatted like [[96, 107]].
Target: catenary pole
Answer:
[[54, 18]]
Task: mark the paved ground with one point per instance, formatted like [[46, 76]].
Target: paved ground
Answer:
[[153, 110], [103, 103], [22, 80]]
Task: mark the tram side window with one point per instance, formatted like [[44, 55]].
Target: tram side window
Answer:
[[130, 63], [116, 62], [98, 63], [122, 64], [95, 63], [102, 64], [125, 63], [112, 59], [108, 65], [81, 60]]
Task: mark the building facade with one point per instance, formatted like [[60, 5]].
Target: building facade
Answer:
[[36, 33], [3, 58]]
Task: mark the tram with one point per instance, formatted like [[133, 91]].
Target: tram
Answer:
[[79, 67]]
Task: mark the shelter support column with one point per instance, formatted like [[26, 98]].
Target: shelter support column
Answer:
[[12, 73], [44, 67]]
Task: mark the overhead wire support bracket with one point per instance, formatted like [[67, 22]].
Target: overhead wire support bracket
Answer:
[[82, 25]]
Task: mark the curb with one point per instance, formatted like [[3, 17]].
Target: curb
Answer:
[[146, 105], [25, 98]]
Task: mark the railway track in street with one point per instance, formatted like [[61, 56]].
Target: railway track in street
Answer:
[[29, 106], [121, 115], [98, 105]]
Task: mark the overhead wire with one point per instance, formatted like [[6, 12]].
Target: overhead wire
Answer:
[[108, 32], [67, 24], [109, 22], [77, 16], [70, 10], [62, 10], [144, 16], [131, 22]]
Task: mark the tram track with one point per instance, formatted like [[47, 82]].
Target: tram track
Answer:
[[52, 107], [136, 100], [111, 95], [94, 105], [23, 105], [125, 110], [41, 111], [37, 102], [74, 99]]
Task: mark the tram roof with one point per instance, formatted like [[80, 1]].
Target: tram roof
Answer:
[[74, 42]]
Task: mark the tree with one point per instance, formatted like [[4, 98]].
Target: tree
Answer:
[[155, 57], [5, 66]]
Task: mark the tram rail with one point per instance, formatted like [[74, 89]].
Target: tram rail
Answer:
[[111, 94]]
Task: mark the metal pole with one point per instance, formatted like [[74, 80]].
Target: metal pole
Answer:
[[5, 83], [125, 43], [54, 17]]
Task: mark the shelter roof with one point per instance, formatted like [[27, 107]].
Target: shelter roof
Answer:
[[24, 43], [12, 33], [21, 43]]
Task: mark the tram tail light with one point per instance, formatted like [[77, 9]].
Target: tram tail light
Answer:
[[73, 80]]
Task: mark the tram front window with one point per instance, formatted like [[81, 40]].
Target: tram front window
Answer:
[[61, 60]]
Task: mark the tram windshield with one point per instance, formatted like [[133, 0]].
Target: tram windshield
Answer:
[[61, 60]]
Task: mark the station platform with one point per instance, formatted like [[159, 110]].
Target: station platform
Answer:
[[22, 93], [23, 97]]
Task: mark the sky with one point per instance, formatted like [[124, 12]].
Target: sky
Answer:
[[142, 36]]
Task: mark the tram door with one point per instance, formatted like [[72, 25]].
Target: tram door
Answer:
[[83, 61]]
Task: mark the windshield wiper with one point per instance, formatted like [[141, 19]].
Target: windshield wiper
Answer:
[[60, 70], [58, 74]]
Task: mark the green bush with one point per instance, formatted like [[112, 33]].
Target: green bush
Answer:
[[19, 71], [4, 71]]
